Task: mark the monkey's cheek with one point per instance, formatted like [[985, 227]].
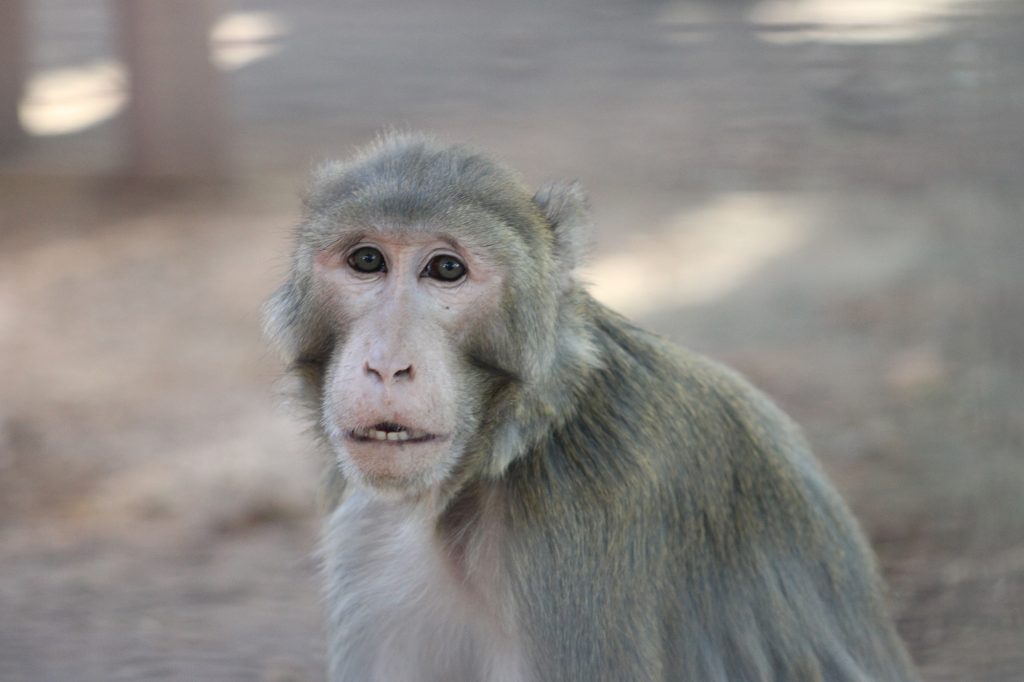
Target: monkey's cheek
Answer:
[[392, 464]]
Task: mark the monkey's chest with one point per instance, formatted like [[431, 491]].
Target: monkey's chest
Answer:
[[402, 607]]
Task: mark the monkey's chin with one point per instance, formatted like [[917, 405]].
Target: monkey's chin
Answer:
[[403, 467]]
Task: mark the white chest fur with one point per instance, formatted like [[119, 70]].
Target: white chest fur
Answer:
[[400, 608]]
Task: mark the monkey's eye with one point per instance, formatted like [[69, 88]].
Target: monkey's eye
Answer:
[[367, 259], [445, 268]]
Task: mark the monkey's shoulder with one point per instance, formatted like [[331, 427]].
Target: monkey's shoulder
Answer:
[[690, 429], [650, 384]]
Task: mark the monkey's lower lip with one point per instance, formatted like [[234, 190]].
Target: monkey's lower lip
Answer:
[[391, 433]]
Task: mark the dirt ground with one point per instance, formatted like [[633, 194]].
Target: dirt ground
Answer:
[[834, 205]]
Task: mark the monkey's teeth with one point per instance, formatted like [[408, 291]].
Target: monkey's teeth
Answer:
[[377, 434]]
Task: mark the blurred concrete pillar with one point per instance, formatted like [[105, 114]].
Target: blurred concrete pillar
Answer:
[[13, 41], [177, 112]]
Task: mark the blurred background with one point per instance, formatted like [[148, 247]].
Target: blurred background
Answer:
[[825, 194]]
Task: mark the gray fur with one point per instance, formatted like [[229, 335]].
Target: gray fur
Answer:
[[626, 510]]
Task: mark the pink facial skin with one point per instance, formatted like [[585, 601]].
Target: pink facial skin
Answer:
[[395, 410]]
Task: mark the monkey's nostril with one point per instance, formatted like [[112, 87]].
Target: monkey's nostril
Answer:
[[386, 375]]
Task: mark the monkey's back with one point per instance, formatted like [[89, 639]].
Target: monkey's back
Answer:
[[681, 500]]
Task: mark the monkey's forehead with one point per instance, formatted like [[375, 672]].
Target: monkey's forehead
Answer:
[[414, 178], [417, 197], [483, 222], [475, 231]]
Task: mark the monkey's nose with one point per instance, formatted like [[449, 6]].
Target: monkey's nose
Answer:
[[385, 374]]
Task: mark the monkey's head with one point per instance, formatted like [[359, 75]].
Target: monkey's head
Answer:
[[431, 312]]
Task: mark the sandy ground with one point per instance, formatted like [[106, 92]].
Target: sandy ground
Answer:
[[832, 206]]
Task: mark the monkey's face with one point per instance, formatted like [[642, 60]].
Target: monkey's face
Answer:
[[400, 402], [423, 312]]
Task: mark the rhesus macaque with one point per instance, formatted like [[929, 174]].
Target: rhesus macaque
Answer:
[[525, 486]]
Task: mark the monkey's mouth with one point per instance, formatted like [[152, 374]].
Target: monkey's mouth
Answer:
[[389, 431]]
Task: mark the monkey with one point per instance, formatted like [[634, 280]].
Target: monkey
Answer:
[[520, 484]]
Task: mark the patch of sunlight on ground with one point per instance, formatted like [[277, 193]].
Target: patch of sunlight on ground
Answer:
[[242, 38], [64, 101], [851, 22], [701, 255]]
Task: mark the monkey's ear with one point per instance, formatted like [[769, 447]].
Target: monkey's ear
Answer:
[[566, 208]]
